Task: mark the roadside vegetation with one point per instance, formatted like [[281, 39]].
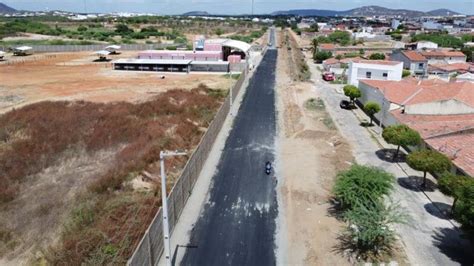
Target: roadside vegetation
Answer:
[[362, 194], [144, 29], [442, 39], [110, 215], [296, 58]]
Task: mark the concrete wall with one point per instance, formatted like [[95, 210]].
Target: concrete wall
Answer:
[[150, 247], [446, 60], [374, 95], [449, 107], [93, 47], [357, 71]]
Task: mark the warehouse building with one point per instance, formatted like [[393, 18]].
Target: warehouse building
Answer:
[[215, 55]]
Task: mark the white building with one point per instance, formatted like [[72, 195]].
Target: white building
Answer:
[[426, 45], [444, 57], [374, 70], [395, 24], [465, 77]]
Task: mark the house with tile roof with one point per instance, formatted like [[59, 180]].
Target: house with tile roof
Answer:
[[412, 60], [442, 112], [444, 57]]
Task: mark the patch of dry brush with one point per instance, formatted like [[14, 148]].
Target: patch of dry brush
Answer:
[[111, 217]]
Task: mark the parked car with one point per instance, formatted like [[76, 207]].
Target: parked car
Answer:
[[328, 76], [344, 104]]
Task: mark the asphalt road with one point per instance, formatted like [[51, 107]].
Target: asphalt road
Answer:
[[237, 225]]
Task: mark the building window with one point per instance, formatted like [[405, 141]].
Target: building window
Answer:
[[385, 74], [420, 65], [368, 75]]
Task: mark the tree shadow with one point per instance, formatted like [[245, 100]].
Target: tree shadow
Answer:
[[102, 60], [415, 183], [454, 244], [439, 209], [387, 155]]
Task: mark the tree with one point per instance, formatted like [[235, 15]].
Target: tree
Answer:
[[341, 37], [371, 108], [123, 29], [406, 73], [219, 32], [428, 161], [314, 27], [369, 229], [401, 135], [314, 45], [362, 186], [453, 185], [377, 56], [82, 28], [320, 56], [352, 92], [464, 211]]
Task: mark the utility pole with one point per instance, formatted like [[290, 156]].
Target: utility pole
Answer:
[[252, 6], [231, 96], [381, 118], [164, 200]]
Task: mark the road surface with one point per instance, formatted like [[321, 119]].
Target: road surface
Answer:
[[237, 225]]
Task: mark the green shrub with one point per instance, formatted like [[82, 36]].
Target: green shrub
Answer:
[[377, 56], [362, 186], [406, 73], [320, 56]]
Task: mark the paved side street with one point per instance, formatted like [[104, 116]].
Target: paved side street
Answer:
[[429, 237]]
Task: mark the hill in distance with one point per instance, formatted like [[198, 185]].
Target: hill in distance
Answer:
[[366, 11], [196, 13], [4, 9]]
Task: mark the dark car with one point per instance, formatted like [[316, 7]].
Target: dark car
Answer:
[[344, 104]]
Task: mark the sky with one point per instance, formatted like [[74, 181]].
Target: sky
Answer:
[[171, 7]]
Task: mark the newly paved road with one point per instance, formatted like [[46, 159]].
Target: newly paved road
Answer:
[[237, 225]]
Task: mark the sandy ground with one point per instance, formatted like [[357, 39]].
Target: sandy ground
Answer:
[[310, 154], [75, 76]]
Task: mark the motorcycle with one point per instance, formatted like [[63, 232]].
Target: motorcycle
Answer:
[[268, 168]]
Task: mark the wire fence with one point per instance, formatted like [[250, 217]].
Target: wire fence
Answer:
[[150, 247]]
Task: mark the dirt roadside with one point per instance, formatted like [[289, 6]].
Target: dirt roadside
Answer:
[[311, 152]]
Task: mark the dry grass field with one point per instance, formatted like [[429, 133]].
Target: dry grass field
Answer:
[[75, 137], [75, 76]]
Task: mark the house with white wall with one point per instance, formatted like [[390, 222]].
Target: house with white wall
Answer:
[[442, 112], [426, 45], [444, 57], [412, 60], [374, 70]]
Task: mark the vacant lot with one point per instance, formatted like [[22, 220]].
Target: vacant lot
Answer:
[[75, 76], [73, 149]]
